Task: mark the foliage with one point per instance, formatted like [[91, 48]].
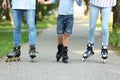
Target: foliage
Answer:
[[41, 11], [115, 39], [116, 16]]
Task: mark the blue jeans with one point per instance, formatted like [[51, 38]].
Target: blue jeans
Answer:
[[105, 12], [30, 19], [64, 24]]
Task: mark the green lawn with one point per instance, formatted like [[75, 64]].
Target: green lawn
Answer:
[[6, 43]]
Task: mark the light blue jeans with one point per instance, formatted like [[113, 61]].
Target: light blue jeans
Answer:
[[105, 12], [30, 19]]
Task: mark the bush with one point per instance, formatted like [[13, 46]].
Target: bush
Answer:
[[115, 39]]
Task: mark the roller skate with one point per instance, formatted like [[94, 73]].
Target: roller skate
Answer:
[[32, 53], [89, 52], [104, 53], [59, 53], [65, 56], [15, 55]]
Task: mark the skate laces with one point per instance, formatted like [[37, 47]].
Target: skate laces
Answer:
[[65, 53], [32, 51], [16, 51], [89, 50]]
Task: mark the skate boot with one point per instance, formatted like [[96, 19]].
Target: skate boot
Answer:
[[14, 56], [89, 52], [65, 56], [32, 52], [59, 52], [104, 53]]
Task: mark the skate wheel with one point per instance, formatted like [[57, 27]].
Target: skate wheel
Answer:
[[17, 58], [32, 60], [83, 59], [14, 59], [104, 61], [8, 60], [58, 59]]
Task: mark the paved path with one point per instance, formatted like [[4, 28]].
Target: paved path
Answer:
[[46, 67]]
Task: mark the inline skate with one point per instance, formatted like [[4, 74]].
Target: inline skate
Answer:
[[59, 52], [65, 55], [104, 53], [32, 53], [89, 52], [15, 55]]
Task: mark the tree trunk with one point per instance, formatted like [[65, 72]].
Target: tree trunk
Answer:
[[116, 16], [87, 6], [10, 15]]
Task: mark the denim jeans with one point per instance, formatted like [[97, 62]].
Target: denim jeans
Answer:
[[30, 19], [64, 24], [105, 12]]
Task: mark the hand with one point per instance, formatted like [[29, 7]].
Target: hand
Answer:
[[41, 1], [4, 4]]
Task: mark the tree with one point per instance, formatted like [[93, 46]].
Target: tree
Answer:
[[41, 11], [87, 6], [116, 16]]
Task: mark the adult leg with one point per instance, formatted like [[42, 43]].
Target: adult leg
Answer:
[[30, 17], [94, 11], [17, 19], [105, 31]]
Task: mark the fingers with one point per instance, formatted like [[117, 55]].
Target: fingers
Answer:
[[4, 5], [41, 1]]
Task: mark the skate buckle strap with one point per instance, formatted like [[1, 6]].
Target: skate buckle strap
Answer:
[[104, 47]]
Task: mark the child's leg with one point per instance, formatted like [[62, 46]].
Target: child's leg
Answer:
[[68, 26], [66, 40], [60, 29], [59, 47], [60, 39], [65, 48]]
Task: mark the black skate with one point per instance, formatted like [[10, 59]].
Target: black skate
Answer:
[[14, 56], [32, 53], [65, 56], [89, 52], [59, 53], [104, 53]]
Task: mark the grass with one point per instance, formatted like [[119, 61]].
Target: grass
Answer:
[[6, 37], [6, 43], [115, 39], [45, 23]]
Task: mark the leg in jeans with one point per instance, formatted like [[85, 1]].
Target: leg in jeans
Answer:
[[105, 31], [94, 11], [105, 21], [17, 19], [30, 18]]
